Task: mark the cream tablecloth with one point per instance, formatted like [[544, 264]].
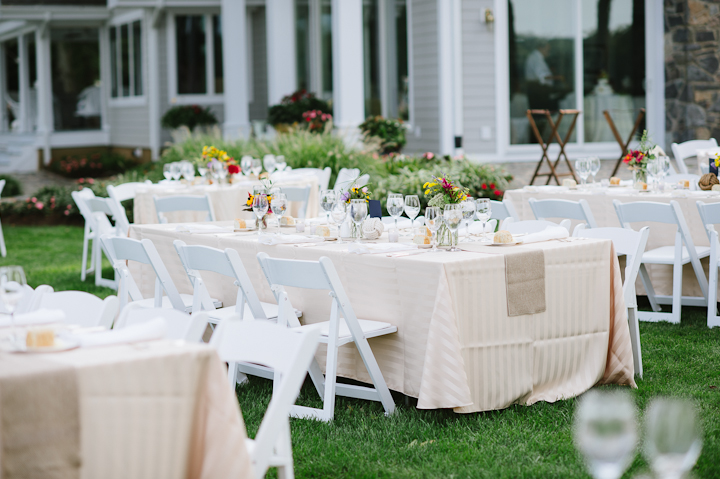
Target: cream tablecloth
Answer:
[[604, 213], [228, 201], [455, 347], [156, 410]]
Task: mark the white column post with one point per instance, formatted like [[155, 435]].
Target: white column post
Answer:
[[315, 45], [105, 77], [45, 119], [3, 93], [152, 19], [445, 76], [24, 87], [348, 83], [458, 121], [237, 123], [281, 59]]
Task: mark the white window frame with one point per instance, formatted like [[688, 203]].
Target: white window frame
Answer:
[[117, 22], [210, 97], [654, 89]]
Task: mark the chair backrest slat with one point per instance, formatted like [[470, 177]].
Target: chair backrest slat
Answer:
[[82, 308], [504, 209], [345, 178], [294, 273], [532, 226], [168, 204], [552, 208], [640, 211], [682, 151], [299, 194], [180, 325], [709, 213]]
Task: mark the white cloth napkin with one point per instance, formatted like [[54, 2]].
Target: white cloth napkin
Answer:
[[274, 238], [40, 316], [476, 227], [153, 329], [369, 248], [549, 233], [200, 229]]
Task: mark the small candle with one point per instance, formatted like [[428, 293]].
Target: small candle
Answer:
[[300, 227], [393, 236]]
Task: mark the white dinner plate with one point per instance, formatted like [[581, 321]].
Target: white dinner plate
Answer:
[[242, 230]]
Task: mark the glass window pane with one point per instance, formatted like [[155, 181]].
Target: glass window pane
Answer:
[[218, 55], [371, 58], [137, 57], [403, 81], [614, 66], [326, 47], [541, 50], [191, 54], [75, 74], [113, 62], [12, 82], [302, 43], [125, 60]]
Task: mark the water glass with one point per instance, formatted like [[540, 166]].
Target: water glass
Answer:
[[594, 166], [582, 168], [673, 439], [260, 207], [281, 164], [606, 432], [654, 170], [338, 213], [395, 205], [483, 211], [468, 215], [175, 170], [452, 216], [219, 170], [358, 213], [256, 167], [12, 281], [327, 200], [412, 209], [246, 164], [433, 222], [279, 205], [187, 170], [203, 171], [269, 163], [166, 171]]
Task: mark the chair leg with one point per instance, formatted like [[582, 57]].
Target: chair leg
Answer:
[[283, 448], [647, 284], [97, 254], [375, 374], [634, 325], [712, 316], [232, 374], [677, 292], [83, 270], [3, 250], [330, 376]]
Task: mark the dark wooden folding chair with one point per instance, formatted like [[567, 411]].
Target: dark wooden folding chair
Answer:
[[554, 135], [623, 144]]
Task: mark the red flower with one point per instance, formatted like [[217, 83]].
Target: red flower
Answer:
[[233, 169], [497, 193], [484, 186], [492, 186]]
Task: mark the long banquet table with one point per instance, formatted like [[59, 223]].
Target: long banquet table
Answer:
[[228, 200], [601, 205], [159, 409], [455, 347]]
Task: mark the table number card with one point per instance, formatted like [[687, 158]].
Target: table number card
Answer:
[[375, 209]]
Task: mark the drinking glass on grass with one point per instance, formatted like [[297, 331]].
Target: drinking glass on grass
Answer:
[[327, 200], [395, 205], [452, 216], [433, 222], [412, 209], [260, 208], [358, 213], [338, 213], [483, 211], [12, 281], [468, 214]]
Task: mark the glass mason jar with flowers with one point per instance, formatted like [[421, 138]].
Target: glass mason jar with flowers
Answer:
[[637, 160], [356, 193], [441, 192]]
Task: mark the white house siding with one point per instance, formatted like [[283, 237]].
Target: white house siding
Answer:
[[129, 126], [258, 106], [425, 76], [479, 97]]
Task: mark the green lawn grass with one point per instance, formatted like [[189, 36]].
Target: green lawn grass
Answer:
[[536, 441]]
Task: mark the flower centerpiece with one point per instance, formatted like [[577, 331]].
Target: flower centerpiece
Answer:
[[637, 160], [356, 193], [211, 155], [441, 191], [266, 188]]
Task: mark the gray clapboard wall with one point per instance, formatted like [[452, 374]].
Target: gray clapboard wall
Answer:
[[129, 126]]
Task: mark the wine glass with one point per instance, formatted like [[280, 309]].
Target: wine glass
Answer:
[[665, 163], [395, 205], [187, 170], [269, 163], [433, 222], [327, 200], [219, 170], [412, 209], [654, 170], [606, 432], [260, 208], [256, 167], [166, 171], [246, 164], [281, 164], [452, 216], [594, 166], [582, 167], [279, 205], [673, 439], [175, 170], [483, 211], [358, 213], [338, 213], [468, 214], [12, 282]]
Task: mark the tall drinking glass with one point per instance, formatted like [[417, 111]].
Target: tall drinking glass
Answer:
[[260, 208], [412, 209], [468, 215], [269, 163], [654, 169], [175, 170], [256, 167], [433, 222], [483, 211], [452, 216], [358, 213], [594, 166], [338, 213], [202, 169], [279, 205], [187, 170], [12, 280], [395, 205], [327, 200], [246, 163], [166, 171], [281, 164], [219, 170], [582, 168]]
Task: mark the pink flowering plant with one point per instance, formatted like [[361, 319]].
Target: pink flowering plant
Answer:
[[317, 120]]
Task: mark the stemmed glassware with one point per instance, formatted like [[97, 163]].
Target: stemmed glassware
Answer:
[[606, 432], [187, 170], [167, 173], [358, 212], [246, 163], [260, 208], [654, 169], [269, 163], [256, 167], [433, 221], [175, 170], [594, 166], [12, 281], [218, 170], [673, 439], [468, 214], [327, 200], [582, 168], [281, 164], [279, 205], [483, 210], [664, 166], [338, 213], [452, 216], [412, 209], [395, 205], [202, 169]]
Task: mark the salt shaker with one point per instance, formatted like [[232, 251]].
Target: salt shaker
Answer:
[[393, 236]]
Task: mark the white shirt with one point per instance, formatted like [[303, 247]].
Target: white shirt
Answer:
[[536, 69]]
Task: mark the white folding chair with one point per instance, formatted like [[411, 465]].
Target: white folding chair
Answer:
[[3, 250], [299, 194], [675, 179], [335, 332], [289, 352], [688, 149], [31, 298], [631, 244], [710, 215], [120, 250], [323, 176], [501, 210], [345, 177], [118, 194], [677, 256], [180, 325], [575, 210], [532, 226], [168, 204], [81, 308]]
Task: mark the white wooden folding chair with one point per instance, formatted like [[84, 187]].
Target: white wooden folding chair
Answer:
[[31, 299], [180, 325], [345, 177], [3, 250], [118, 194], [335, 332], [168, 204], [501, 210], [82, 308], [89, 234], [120, 250], [677, 256], [675, 179], [688, 149], [532, 226], [631, 244], [299, 194], [289, 352], [323, 176], [710, 215], [575, 210]]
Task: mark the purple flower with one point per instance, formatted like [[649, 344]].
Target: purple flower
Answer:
[[345, 196]]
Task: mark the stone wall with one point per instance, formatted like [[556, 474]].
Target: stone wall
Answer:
[[692, 77]]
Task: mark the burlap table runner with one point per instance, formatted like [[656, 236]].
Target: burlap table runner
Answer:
[[39, 419]]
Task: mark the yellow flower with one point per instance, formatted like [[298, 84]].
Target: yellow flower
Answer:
[[427, 192]]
